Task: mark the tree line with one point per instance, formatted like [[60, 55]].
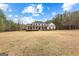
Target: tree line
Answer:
[[67, 20], [8, 25]]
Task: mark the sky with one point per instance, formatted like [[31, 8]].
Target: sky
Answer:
[[29, 12]]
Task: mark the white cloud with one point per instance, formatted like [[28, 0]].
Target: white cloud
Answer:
[[36, 11], [54, 13], [15, 16], [10, 16], [48, 8], [35, 14], [4, 7], [26, 20], [29, 9], [44, 20], [68, 6], [15, 20], [39, 8], [10, 10]]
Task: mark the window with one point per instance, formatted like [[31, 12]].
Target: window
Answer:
[[40, 24], [43, 24], [37, 24]]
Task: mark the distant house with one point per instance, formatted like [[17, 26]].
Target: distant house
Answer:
[[40, 26]]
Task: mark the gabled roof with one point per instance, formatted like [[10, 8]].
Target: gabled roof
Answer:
[[40, 24]]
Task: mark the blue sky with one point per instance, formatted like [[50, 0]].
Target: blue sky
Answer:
[[29, 12]]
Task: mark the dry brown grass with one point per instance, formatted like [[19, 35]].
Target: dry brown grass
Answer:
[[40, 43]]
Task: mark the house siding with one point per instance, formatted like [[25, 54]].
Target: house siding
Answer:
[[40, 26]]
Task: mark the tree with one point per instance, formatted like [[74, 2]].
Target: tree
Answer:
[[2, 21], [67, 20]]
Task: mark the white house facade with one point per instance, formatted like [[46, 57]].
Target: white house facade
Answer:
[[40, 26]]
